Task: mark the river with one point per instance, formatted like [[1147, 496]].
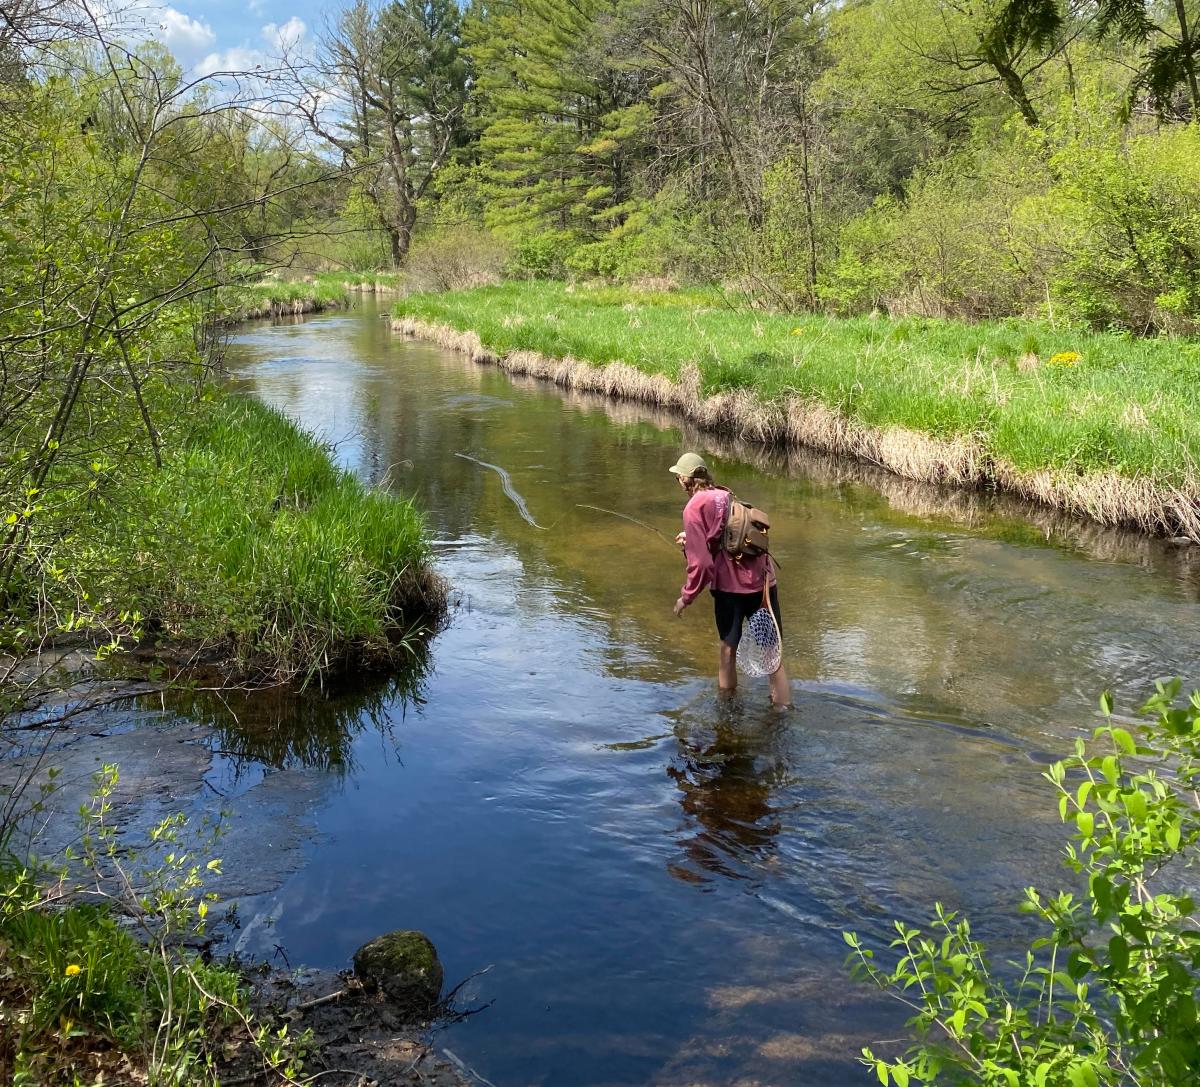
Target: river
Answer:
[[657, 879]]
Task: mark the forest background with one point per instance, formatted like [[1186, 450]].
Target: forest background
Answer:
[[944, 159]]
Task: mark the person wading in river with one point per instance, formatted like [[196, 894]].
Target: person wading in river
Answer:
[[737, 587]]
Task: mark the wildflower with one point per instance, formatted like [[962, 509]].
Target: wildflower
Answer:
[[799, 331], [73, 969], [1065, 358]]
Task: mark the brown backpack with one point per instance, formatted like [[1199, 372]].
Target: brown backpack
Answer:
[[746, 530]]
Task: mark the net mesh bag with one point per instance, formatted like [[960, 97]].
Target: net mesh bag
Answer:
[[760, 652]]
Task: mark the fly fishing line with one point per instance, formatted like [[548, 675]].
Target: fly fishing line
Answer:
[[626, 517], [506, 482]]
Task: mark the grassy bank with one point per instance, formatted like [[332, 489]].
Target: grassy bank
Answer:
[[1102, 425], [284, 298], [84, 999], [248, 546], [292, 297], [104, 981], [253, 542]]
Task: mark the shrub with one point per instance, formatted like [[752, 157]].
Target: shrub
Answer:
[[1133, 213], [1107, 993], [961, 244], [543, 255], [455, 258]]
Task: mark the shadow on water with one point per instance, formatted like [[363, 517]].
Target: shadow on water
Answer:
[[280, 728]]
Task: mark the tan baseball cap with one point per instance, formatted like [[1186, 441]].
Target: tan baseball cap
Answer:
[[687, 465]]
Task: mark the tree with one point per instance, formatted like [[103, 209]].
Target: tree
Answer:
[[120, 214], [390, 98], [562, 113], [1173, 52], [999, 42]]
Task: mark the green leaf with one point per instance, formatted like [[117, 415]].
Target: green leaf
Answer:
[[1135, 804], [1106, 703], [1118, 954], [1124, 741], [1086, 822], [1083, 1075]]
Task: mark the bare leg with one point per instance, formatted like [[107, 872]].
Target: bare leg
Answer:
[[781, 690], [727, 669]]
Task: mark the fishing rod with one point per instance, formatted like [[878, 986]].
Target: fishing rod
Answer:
[[626, 517]]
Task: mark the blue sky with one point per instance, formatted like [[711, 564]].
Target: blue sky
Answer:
[[213, 35]]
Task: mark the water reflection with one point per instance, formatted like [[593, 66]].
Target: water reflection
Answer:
[[660, 878], [727, 773], [281, 728]]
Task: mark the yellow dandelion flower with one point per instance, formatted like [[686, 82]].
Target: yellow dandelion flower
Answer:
[[1065, 358], [798, 331], [73, 969]]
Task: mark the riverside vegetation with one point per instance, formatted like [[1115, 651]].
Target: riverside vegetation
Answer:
[[1107, 993], [1094, 422], [143, 506], [927, 160]]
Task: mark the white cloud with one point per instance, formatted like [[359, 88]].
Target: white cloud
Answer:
[[184, 36], [289, 35], [237, 59], [279, 39]]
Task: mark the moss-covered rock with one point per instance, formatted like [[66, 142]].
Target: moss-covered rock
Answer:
[[405, 966]]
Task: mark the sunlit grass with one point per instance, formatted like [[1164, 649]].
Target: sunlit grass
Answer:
[[1125, 405], [251, 540], [280, 297]]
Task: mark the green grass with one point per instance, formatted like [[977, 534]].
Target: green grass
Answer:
[[248, 542], [1128, 406], [82, 974], [252, 299], [110, 986]]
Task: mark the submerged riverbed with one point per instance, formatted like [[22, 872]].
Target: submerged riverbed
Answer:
[[658, 878]]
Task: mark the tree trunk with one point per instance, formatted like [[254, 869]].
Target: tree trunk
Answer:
[[809, 212], [1015, 87], [1189, 62]]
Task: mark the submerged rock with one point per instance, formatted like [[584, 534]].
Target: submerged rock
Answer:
[[405, 966]]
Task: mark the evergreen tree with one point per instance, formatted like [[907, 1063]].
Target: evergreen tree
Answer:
[[560, 112]]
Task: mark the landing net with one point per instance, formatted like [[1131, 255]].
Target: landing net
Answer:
[[760, 652]]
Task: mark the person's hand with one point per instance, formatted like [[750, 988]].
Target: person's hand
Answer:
[[681, 539], [679, 606]]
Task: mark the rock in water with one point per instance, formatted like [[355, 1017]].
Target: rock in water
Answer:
[[405, 965]]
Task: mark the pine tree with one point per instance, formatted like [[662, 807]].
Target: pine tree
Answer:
[[559, 113]]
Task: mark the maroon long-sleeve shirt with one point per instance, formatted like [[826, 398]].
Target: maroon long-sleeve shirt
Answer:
[[709, 565]]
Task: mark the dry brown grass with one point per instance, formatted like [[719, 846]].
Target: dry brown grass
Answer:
[[1104, 497]]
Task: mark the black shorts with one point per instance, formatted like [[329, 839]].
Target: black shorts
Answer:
[[731, 611]]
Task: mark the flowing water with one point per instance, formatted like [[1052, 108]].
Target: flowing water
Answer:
[[657, 879]]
